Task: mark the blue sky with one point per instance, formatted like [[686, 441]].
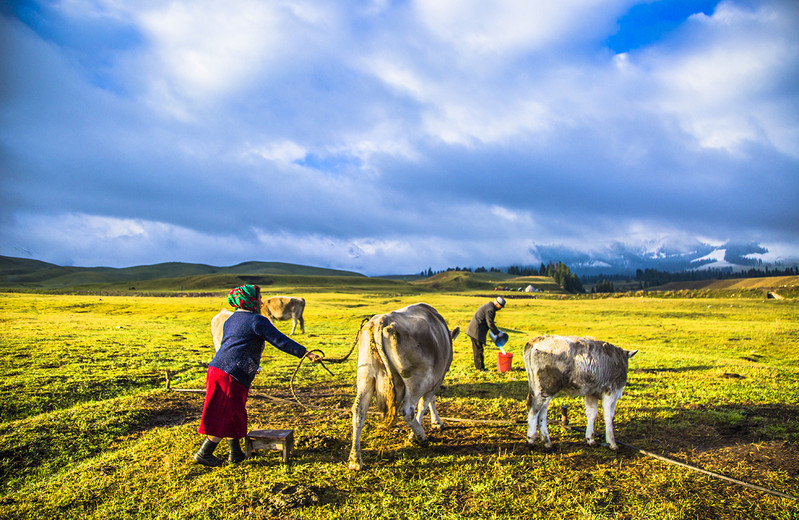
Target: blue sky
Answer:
[[389, 137]]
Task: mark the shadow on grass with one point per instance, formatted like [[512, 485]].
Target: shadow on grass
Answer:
[[485, 390], [670, 370]]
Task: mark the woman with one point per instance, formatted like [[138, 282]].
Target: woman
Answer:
[[232, 370]]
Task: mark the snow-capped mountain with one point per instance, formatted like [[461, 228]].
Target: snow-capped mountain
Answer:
[[619, 258]]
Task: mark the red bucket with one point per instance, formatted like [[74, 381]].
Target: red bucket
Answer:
[[504, 361]]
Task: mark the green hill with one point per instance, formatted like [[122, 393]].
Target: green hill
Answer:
[[783, 285], [34, 274], [464, 281], [461, 281]]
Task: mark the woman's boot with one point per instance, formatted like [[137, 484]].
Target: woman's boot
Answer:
[[206, 455], [235, 454]]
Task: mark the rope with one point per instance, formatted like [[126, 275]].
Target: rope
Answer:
[[322, 362], [565, 424], [710, 473]]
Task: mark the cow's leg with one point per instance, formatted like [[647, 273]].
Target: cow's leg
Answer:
[[591, 410], [409, 414], [536, 403], [609, 410], [428, 402], [435, 420], [421, 408], [293, 325], [302, 324], [366, 386], [543, 432]]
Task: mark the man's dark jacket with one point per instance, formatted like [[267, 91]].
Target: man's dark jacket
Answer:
[[482, 322]]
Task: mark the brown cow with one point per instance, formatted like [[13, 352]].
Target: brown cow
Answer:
[[285, 308]]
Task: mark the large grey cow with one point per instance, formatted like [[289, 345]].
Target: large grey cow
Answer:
[[402, 359], [276, 308], [576, 366]]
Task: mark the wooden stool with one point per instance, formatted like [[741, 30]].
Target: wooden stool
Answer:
[[282, 440]]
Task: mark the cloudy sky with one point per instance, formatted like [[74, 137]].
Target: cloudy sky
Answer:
[[391, 136]]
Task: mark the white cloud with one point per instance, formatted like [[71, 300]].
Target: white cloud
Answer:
[[508, 26], [283, 151], [721, 87], [207, 48]]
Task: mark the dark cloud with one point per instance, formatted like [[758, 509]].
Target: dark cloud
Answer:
[[374, 139]]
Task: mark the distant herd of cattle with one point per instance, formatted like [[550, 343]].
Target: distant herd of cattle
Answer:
[[404, 355]]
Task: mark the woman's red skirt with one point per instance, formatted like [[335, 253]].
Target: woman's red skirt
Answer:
[[224, 411]]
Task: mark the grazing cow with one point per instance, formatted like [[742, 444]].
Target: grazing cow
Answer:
[[402, 359], [285, 308], [577, 366]]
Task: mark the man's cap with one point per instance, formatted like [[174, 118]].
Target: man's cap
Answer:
[[500, 301]]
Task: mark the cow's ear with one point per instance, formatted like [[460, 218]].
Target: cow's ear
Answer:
[[454, 333], [631, 353]]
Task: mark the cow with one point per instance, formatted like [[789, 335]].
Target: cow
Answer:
[[217, 324], [285, 308], [277, 308], [402, 359], [576, 366]]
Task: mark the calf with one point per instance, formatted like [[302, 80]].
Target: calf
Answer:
[[576, 366]]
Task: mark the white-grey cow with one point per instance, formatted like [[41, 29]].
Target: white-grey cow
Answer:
[[402, 359], [576, 366]]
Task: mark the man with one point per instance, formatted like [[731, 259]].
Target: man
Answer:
[[482, 322]]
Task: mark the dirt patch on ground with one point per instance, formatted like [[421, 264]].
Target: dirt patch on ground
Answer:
[[170, 409], [281, 498]]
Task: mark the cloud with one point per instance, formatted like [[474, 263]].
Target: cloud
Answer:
[[390, 136]]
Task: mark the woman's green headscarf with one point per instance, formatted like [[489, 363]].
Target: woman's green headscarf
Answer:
[[245, 297]]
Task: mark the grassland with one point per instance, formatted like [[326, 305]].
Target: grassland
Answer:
[[88, 430]]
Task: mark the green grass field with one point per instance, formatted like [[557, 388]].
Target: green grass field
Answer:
[[88, 430]]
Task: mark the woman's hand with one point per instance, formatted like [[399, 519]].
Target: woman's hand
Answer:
[[316, 358]]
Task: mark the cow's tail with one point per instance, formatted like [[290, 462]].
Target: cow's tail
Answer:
[[385, 393]]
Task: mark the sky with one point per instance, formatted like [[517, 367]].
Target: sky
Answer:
[[389, 137]]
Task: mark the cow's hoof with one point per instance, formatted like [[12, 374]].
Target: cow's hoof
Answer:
[[355, 465], [591, 442], [439, 426], [420, 441], [613, 447]]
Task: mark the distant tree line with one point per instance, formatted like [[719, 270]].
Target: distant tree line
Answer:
[[570, 282], [602, 286], [559, 271], [430, 272], [653, 277]]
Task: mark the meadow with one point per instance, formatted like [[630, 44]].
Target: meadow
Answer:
[[89, 430]]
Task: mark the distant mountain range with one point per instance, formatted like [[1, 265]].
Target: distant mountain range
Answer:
[[616, 259], [622, 259]]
